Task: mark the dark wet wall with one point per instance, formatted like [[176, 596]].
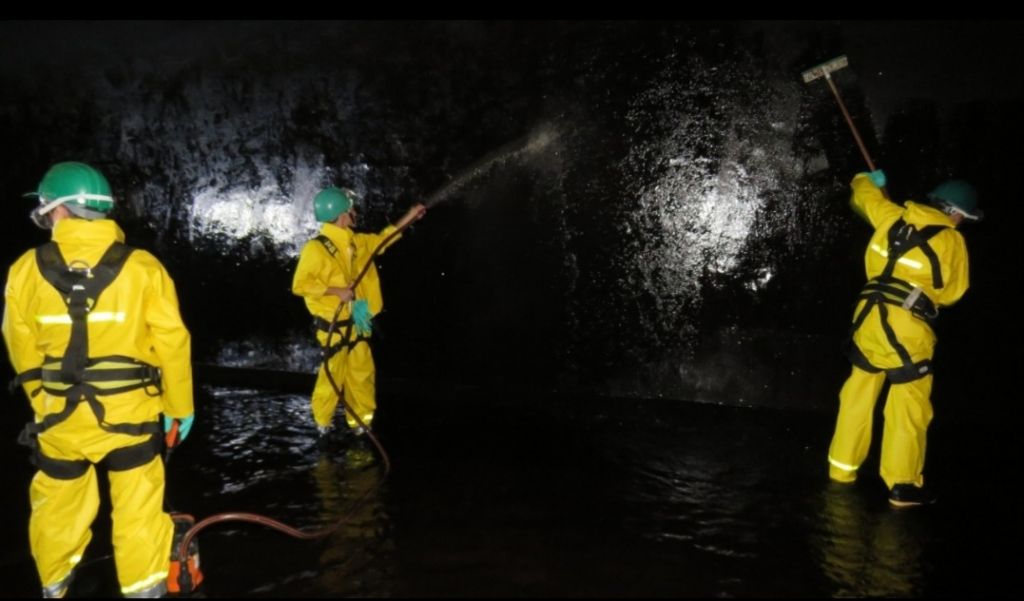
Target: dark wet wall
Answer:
[[639, 209]]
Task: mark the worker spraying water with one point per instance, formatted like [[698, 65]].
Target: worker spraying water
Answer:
[[338, 280], [342, 305]]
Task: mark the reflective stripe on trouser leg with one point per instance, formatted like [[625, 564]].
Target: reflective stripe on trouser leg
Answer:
[[60, 525], [153, 592], [142, 532], [360, 384], [908, 411], [58, 590], [324, 400], [852, 438]]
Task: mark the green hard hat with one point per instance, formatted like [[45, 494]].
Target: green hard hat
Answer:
[[76, 185], [331, 203], [958, 196]]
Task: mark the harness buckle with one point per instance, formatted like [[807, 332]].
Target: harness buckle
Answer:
[[80, 267], [911, 299]]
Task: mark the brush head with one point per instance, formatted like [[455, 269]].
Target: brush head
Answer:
[[824, 69]]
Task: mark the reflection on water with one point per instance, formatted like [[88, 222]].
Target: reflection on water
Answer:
[[867, 552], [258, 437], [263, 455], [357, 559]]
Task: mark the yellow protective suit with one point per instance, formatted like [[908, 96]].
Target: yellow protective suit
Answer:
[[136, 316], [908, 409], [352, 368]]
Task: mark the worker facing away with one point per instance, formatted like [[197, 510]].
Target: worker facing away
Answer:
[[916, 262], [93, 330]]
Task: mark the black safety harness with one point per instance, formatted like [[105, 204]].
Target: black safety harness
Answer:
[[78, 377], [889, 290], [342, 325]]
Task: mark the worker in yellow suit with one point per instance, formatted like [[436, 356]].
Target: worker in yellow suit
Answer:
[[916, 262], [328, 264], [93, 330]]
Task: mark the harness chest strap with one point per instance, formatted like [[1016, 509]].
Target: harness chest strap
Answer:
[[78, 377], [903, 237], [887, 289]]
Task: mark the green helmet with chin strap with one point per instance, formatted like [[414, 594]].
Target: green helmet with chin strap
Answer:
[[77, 185], [330, 203], [957, 196]]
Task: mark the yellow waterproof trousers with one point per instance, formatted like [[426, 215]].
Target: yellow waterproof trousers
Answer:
[[908, 411], [63, 510], [353, 370]]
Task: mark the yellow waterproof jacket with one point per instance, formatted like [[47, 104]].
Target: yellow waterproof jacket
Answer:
[[319, 270], [914, 267], [136, 316]]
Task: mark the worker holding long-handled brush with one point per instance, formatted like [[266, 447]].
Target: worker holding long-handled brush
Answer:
[[916, 262], [328, 266]]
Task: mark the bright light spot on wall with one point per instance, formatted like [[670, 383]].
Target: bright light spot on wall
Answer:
[[266, 211]]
